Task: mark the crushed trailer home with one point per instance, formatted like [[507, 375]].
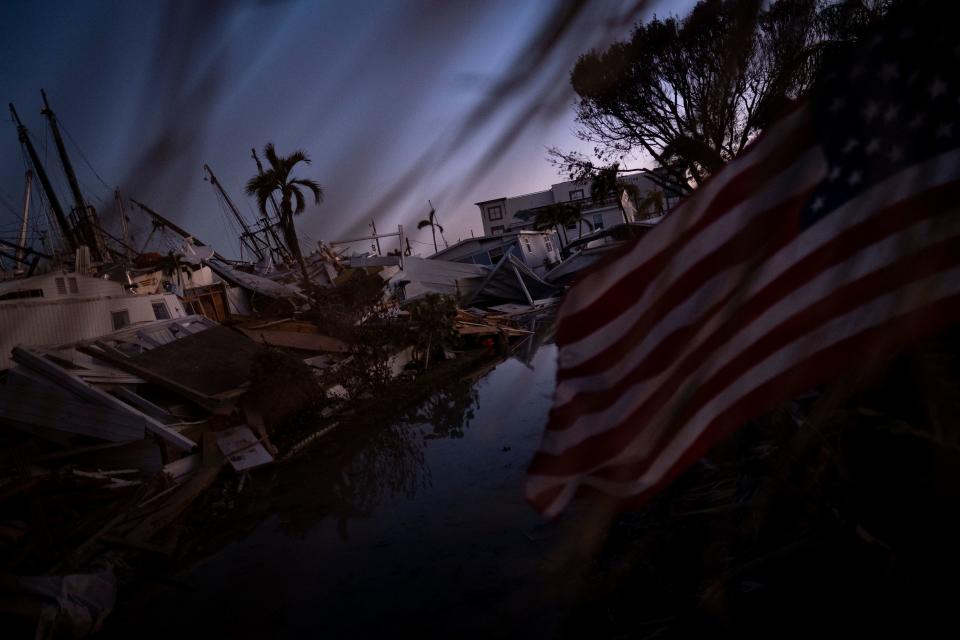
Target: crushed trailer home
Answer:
[[59, 307]]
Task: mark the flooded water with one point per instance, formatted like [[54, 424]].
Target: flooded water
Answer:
[[416, 527]]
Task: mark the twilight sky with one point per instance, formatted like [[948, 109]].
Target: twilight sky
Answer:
[[395, 101]]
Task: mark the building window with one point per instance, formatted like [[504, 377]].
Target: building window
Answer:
[[61, 286], [598, 221], [23, 293], [549, 244], [160, 311], [120, 319], [571, 226], [497, 230], [526, 243], [496, 255], [72, 282], [495, 213], [576, 194]]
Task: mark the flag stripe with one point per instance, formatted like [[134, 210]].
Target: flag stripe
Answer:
[[589, 393], [615, 287], [915, 309], [733, 361], [788, 188]]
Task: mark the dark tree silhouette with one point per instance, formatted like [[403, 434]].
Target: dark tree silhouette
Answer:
[[431, 222], [277, 178], [693, 92]]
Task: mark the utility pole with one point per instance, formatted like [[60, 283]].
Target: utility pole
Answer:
[[373, 225], [123, 222], [437, 220], [85, 215], [22, 240], [65, 229], [247, 237]]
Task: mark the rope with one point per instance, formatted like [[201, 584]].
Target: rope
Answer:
[[80, 151]]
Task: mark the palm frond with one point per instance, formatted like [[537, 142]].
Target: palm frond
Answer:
[[298, 198], [270, 152], [423, 224], [313, 186], [297, 157]]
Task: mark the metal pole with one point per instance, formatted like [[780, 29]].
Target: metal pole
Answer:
[[26, 213], [123, 222], [65, 229], [373, 225], [246, 237]]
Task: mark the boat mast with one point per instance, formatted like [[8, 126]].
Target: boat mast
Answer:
[[62, 222], [163, 222], [247, 237], [118, 201], [86, 215], [22, 240]]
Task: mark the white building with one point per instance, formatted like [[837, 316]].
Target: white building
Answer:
[[537, 249], [58, 308], [502, 215]]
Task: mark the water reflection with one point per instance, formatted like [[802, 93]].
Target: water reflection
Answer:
[[392, 463], [384, 529], [448, 412]]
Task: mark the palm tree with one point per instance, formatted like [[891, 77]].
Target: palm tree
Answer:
[[654, 200], [431, 222], [557, 216], [606, 182], [277, 179]]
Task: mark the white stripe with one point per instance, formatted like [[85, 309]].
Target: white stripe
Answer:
[[866, 261], [934, 173], [683, 217], [809, 169], [901, 302], [898, 303]]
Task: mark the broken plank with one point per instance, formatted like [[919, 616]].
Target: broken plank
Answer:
[[83, 389], [298, 340], [242, 449]]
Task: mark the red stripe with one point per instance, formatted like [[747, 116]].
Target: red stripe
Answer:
[[766, 232], [621, 294], [595, 449], [823, 366], [885, 223]]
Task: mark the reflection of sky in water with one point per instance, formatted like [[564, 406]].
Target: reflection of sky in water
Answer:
[[441, 540]]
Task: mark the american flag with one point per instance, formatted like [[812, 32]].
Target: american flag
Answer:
[[835, 238]]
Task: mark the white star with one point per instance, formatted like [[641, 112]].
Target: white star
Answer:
[[854, 178], [817, 204], [871, 110], [937, 88], [889, 72], [891, 113], [894, 154], [852, 144], [835, 173], [872, 147], [945, 130]]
